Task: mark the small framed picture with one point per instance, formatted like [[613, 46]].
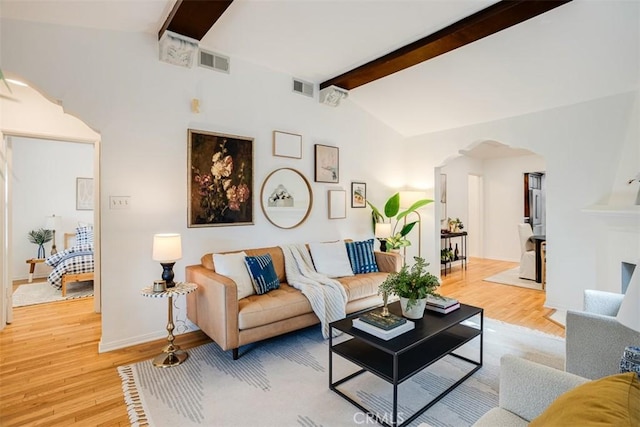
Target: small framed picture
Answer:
[[358, 195], [287, 144], [84, 194], [326, 164], [337, 204]]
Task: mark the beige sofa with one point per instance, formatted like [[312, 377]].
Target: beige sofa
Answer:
[[231, 323]]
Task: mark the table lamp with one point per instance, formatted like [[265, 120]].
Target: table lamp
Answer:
[[52, 223], [383, 230], [167, 249]]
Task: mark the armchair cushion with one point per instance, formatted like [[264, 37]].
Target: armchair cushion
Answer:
[[612, 400], [602, 302]]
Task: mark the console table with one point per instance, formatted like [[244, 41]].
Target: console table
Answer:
[[446, 237], [435, 336]]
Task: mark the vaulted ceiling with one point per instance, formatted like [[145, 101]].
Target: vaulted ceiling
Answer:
[[581, 50]]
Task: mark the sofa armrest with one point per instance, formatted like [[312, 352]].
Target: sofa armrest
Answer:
[[528, 388], [602, 302], [595, 343], [388, 262], [214, 305]]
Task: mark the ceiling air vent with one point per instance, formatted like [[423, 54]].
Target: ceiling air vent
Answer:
[[302, 87], [214, 61]]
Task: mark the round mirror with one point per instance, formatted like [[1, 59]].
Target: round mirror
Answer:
[[286, 198]]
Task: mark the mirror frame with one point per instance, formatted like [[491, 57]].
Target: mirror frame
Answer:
[[262, 199]]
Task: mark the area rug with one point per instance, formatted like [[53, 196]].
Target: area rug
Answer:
[[284, 381], [43, 292], [510, 277]]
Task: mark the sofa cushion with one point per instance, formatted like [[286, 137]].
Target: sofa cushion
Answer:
[[331, 259], [362, 285], [233, 266], [612, 401], [280, 304], [361, 256], [262, 273]]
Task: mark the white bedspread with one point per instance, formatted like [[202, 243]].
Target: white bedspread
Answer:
[[327, 296]]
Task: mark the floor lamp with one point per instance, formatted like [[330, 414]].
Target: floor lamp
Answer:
[[407, 199]]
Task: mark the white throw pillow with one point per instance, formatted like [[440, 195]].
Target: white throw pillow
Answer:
[[234, 267], [331, 259]]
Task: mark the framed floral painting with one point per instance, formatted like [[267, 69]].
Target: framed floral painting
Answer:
[[220, 169]]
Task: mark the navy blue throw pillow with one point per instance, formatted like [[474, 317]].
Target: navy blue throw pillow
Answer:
[[263, 274], [361, 257]]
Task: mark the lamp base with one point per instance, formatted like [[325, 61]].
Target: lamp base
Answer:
[[166, 360], [167, 273], [383, 245]]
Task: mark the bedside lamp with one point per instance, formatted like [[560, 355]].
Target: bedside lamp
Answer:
[[383, 230], [167, 249], [52, 223]]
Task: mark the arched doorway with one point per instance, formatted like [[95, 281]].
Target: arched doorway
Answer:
[[27, 113]]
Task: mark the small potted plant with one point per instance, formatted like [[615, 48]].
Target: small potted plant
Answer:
[[412, 285], [40, 237]]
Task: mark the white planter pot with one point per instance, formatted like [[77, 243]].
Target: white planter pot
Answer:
[[416, 311]]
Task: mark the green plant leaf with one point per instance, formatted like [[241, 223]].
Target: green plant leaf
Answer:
[[392, 206], [407, 228], [417, 205]]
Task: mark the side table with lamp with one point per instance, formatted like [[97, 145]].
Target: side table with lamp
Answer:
[[167, 249], [171, 355]]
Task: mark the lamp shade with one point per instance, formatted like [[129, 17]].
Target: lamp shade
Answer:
[[383, 230], [409, 197], [629, 312], [52, 222], [167, 247]]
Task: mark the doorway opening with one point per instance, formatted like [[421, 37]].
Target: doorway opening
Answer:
[[29, 115]]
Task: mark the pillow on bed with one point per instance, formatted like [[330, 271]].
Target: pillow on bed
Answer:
[[84, 235], [55, 259]]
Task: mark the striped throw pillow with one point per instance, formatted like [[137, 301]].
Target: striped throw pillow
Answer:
[[263, 274], [361, 257]]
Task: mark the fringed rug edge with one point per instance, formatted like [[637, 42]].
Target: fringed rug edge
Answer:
[[135, 408]]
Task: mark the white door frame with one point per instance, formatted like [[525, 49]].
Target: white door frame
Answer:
[[6, 303]]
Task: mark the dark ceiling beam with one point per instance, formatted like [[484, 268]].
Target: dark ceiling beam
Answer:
[[194, 18], [490, 20]]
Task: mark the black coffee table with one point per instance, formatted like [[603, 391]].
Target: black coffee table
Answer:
[[434, 337]]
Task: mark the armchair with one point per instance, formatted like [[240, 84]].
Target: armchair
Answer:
[[595, 340], [526, 390]]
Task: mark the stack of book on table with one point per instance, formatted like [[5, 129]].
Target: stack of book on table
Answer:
[[384, 327], [442, 304]]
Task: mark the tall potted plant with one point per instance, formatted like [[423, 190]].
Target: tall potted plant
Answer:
[[398, 238], [412, 285]]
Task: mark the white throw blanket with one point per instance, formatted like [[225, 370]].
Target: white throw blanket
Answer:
[[327, 296]]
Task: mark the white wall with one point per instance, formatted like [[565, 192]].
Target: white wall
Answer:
[[140, 106], [44, 183], [582, 145]]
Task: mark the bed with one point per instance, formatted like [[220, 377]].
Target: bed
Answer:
[[75, 263]]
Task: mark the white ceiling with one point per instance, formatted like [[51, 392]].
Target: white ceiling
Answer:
[[582, 50]]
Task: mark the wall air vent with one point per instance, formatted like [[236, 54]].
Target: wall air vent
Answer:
[[302, 87], [214, 61]]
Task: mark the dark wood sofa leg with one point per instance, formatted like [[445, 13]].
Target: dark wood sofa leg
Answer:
[[235, 353]]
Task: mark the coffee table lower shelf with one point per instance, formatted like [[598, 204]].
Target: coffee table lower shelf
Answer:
[[394, 365]]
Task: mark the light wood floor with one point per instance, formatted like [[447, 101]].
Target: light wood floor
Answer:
[[51, 373]]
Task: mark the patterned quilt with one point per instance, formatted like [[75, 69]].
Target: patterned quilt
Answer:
[[75, 260]]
